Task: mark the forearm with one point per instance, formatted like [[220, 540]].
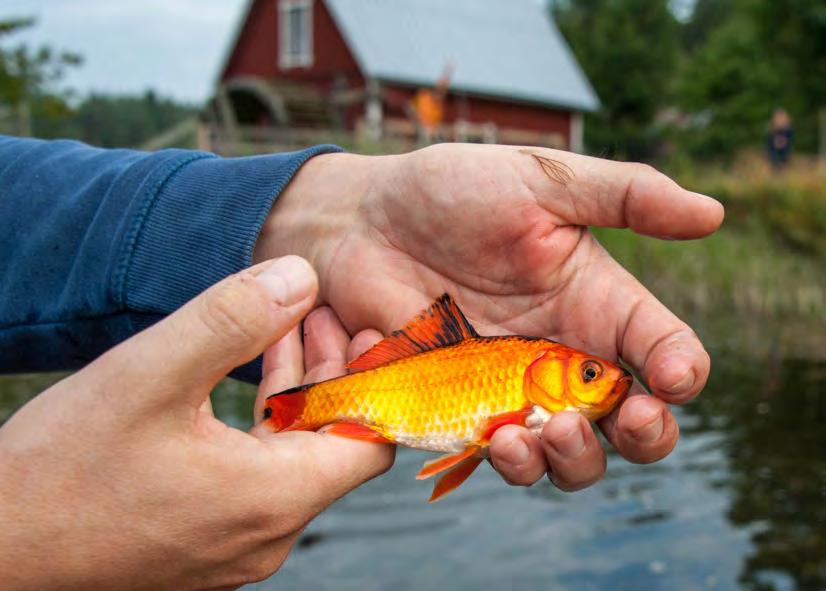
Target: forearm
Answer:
[[99, 244]]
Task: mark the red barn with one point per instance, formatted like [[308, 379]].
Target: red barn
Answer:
[[354, 66]]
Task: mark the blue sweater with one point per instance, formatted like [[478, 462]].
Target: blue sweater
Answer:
[[96, 245]]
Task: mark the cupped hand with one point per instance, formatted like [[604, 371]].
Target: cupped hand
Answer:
[[505, 231], [120, 477]]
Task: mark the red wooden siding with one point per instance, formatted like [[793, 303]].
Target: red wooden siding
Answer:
[[256, 52], [483, 110]]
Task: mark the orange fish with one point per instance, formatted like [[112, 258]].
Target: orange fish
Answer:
[[439, 386]]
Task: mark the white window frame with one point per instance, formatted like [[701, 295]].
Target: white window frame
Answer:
[[304, 58]]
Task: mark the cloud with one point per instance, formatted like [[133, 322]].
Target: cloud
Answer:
[[174, 47]]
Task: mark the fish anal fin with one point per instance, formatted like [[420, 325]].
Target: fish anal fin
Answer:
[[445, 462], [440, 325], [357, 431], [496, 422], [454, 478]]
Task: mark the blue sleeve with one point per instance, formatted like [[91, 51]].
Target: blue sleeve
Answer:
[[96, 245]]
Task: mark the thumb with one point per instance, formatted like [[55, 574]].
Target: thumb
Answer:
[[226, 326], [586, 191]]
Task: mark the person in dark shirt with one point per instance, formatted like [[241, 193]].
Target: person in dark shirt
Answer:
[[157, 274], [779, 141]]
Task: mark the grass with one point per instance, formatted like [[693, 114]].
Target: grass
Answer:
[[765, 267]]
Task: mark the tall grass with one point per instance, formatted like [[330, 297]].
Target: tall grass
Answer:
[[768, 261]]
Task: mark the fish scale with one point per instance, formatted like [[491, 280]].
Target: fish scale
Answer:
[[444, 393], [437, 385]]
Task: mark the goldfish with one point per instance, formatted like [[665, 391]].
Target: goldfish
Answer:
[[437, 385]]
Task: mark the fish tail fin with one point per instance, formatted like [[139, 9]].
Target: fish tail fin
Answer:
[[283, 410], [454, 478]]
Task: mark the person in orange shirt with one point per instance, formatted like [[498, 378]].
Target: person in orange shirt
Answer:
[[428, 107]]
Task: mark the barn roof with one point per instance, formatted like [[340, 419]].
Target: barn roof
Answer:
[[503, 49]]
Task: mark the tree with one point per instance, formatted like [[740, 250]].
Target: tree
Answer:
[[733, 83], [28, 78], [119, 121], [628, 49], [793, 32]]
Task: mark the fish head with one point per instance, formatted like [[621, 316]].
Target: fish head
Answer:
[[566, 379]]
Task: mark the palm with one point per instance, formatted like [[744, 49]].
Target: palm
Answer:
[[507, 258]]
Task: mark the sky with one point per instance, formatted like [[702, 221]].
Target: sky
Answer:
[[173, 46]]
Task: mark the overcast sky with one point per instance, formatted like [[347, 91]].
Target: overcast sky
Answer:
[[173, 46]]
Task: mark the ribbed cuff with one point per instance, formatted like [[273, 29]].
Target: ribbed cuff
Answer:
[[202, 225]]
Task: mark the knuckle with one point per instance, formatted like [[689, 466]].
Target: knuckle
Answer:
[[643, 169], [262, 567]]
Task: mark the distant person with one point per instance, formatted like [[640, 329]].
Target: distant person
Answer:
[[429, 107], [780, 139], [159, 273]]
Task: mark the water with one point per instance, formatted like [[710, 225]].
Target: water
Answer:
[[740, 504]]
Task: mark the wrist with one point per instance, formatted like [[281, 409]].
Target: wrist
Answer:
[[318, 208]]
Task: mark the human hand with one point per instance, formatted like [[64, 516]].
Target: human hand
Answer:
[[506, 234], [120, 477]]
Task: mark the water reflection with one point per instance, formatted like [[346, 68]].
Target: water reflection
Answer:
[[776, 447], [739, 505]]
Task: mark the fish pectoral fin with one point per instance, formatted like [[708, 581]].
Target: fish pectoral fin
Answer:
[[357, 431], [445, 462], [496, 422], [455, 477]]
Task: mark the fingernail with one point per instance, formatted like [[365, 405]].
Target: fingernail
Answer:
[[516, 452], [651, 431], [288, 280], [682, 385], [570, 445]]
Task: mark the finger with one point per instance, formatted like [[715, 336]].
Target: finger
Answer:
[[322, 468], [224, 327], [594, 192], [206, 407], [659, 345], [517, 455], [362, 342], [322, 354], [642, 428], [643, 332], [325, 467], [283, 368], [574, 454], [325, 345]]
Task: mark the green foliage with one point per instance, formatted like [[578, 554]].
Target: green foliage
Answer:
[[628, 49], [732, 82], [31, 103], [714, 79], [116, 121], [28, 78], [765, 262], [794, 33]]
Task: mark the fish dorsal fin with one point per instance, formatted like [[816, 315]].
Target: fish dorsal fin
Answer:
[[442, 324]]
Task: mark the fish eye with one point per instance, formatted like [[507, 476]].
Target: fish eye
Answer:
[[591, 370], [267, 413]]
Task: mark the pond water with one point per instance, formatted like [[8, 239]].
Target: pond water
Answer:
[[740, 504]]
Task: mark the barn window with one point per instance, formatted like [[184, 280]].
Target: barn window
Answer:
[[295, 33]]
